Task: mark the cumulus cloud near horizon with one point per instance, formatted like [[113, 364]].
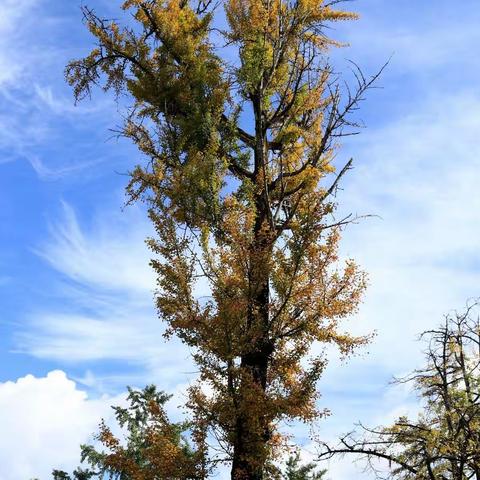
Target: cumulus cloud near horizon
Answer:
[[44, 420]]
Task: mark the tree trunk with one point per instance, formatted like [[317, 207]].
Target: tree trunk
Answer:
[[252, 430]]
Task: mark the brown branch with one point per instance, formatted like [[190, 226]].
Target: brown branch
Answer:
[[330, 452]]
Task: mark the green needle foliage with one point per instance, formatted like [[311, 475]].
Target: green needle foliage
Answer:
[[295, 470], [153, 447]]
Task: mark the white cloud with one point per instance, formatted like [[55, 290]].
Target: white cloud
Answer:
[[111, 254], [422, 39], [44, 421], [45, 96], [359, 397], [422, 51], [39, 121]]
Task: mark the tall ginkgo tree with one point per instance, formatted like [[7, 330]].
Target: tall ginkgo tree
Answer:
[[238, 113]]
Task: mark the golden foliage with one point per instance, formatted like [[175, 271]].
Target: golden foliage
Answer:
[[250, 213]]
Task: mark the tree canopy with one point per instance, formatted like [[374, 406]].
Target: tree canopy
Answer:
[[239, 115]]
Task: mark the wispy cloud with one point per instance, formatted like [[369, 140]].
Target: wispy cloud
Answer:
[[109, 254], [59, 104], [422, 39], [14, 22], [420, 174], [39, 122], [106, 293]]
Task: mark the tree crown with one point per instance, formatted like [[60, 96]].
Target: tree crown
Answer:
[[251, 214]]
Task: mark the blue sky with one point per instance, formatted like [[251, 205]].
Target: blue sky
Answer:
[[77, 322]]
